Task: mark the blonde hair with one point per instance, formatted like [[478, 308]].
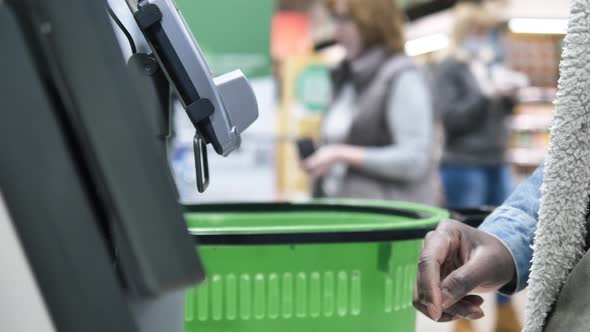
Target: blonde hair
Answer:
[[379, 22], [469, 16]]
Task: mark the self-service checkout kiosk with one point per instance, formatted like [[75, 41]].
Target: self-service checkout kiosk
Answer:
[[92, 235]]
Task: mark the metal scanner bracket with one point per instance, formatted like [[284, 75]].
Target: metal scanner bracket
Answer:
[[220, 108]]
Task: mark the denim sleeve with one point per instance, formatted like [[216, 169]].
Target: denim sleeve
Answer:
[[514, 223]]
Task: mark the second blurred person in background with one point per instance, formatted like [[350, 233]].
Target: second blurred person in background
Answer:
[[377, 137], [475, 94]]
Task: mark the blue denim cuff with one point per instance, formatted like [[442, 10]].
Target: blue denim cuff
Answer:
[[516, 230]]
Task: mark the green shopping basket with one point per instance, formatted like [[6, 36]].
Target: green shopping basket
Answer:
[[336, 266]]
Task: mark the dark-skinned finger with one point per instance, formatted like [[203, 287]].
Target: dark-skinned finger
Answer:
[[445, 318], [437, 247], [462, 281], [474, 299], [468, 308], [423, 308]]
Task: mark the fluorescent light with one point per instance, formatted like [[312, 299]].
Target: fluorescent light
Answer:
[[538, 26], [427, 44]]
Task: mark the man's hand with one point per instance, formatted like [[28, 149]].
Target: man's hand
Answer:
[[456, 260]]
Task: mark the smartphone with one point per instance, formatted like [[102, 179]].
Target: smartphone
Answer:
[[306, 147]]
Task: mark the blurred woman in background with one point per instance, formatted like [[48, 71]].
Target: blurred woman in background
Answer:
[[475, 94], [377, 137]]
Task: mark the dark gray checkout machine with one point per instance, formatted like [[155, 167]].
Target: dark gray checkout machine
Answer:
[[91, 233]]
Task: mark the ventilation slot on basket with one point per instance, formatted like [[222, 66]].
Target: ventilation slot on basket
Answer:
[[399, 285], [273, 296]]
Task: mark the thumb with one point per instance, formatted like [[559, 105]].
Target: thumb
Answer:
[[462, 281]]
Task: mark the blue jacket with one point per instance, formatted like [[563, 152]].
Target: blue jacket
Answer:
[[514, 223]]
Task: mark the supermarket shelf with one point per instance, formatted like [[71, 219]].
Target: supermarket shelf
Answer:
[[527, 157], [536, 95], [535, 108], [531, 122]]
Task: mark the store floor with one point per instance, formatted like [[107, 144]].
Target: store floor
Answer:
[[486, 324]]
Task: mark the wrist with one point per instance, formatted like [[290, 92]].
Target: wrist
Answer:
[[511, 287], [506, 262], [351, 155], [514, 228]]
